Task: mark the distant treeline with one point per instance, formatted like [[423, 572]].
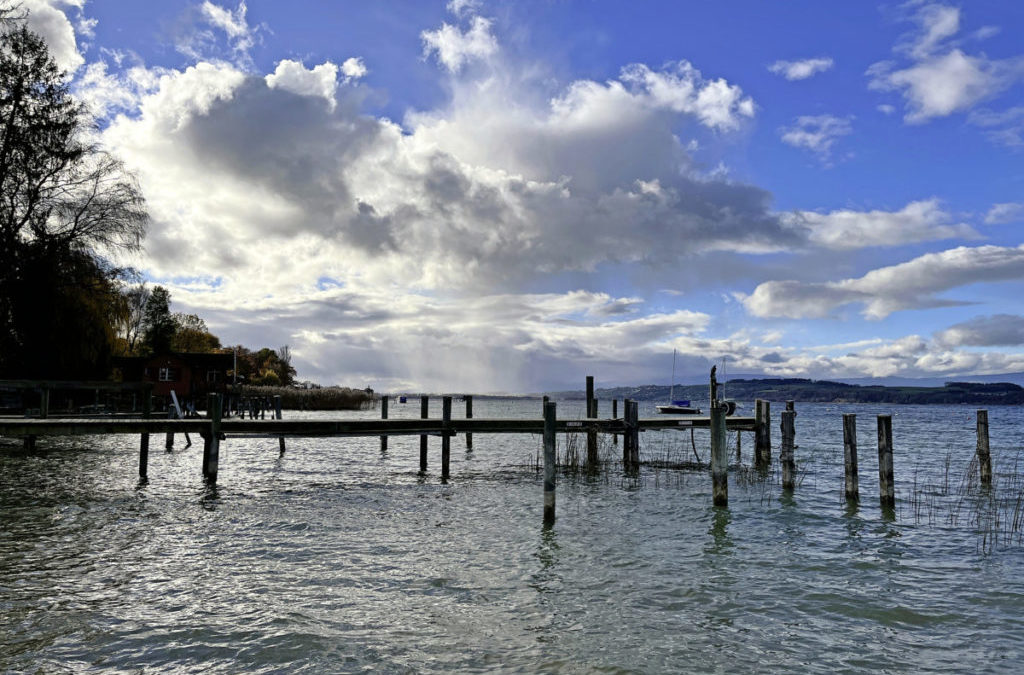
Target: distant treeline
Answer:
[[322, 398], [823, 391]]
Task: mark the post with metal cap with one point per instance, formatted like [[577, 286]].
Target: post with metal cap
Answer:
[[469, 416], [850, 456], [984, 456], [886, 487], [446, 439], [549, 463], [384, 416], [424, 413], [277, 415]]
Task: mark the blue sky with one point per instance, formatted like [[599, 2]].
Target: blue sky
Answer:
[[508, 196]]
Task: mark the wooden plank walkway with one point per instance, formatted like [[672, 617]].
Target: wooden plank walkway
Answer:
[[20, 427]]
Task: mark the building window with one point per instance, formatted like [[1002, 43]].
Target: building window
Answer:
[[213, 376], [168, 374]]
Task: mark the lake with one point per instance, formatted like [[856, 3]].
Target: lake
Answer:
[[336, 558]]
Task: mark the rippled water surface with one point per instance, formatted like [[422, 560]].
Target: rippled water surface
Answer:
[[338, 558]]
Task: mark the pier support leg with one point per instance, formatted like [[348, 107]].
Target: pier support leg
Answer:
[[633, 414], [446, 439], [211, 447], [719, 457], [147, 410], [549, 463], [786, 453], [591, 435], [469, 416], [277, 415], [850, 456], [384, 416], [169, 440], [984, 457], [424, 412], [763, 433], [886, 487], [615, 416]]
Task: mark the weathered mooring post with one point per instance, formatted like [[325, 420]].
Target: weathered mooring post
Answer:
[[147, 410], [762, 433], [615, 416], [44, 403], [786, 452], [469, 416], [886, 487], [446, 439], [169, 440], [719, 456], [211, 445], [424, 413], [850, 456], [549, 463], [384, 416], [633, 416], [277, 415], [591, 435], [984, 456]]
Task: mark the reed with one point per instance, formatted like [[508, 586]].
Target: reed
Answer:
[[325, 398]]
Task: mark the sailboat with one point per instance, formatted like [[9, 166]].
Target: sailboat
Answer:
[[676, 407]]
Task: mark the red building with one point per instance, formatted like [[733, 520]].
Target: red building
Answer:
[[188, 375]]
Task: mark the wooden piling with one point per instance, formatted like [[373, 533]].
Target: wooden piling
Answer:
[[762, 433], [169, 440], [786, 452], [719, 457], [549, 463], [591, 435], [446, 439], [384, 416], [211, 447], [615, 416], [469, 416], [147, 410], [44, 403], [277, 415], [632, 414], [984, 456], [850, 456], [424, 413], [886, 484]]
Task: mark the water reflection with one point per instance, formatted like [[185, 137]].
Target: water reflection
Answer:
[[720, 543], [547, 577], [209, 498]]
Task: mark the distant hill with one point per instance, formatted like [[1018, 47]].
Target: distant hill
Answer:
[[822, 391]]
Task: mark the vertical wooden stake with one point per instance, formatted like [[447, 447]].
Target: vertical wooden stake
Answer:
[[764, 433], [719, 457], [850, 456], [384, 416], [469, 416], [424, 412], [169, 440], [147, 409], [984, 457], [615, 416], [549, 463], [446, 439], [634, 434], [787, 451], [211, 446], [591, 435], [44, 403], [886, 487], [277, 415], [739, 447]]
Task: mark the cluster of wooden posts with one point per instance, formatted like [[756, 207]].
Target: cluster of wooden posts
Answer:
[[214, 427]]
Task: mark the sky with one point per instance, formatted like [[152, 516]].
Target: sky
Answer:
[[481, 196]]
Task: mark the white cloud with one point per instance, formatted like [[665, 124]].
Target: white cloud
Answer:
[[817, 133], [319, 81], [1005, 127], [200, 41], [49, 20], [942, 79], [801, 70], [911, 285], [682, 89], [1007, 212], [846, 229], [463, 7], [353, 68], [985, 331], [455, 48]]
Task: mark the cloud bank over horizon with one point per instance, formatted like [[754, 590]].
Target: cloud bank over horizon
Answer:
[[528, 228]]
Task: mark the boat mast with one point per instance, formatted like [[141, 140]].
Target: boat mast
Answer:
[[672, 384]]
